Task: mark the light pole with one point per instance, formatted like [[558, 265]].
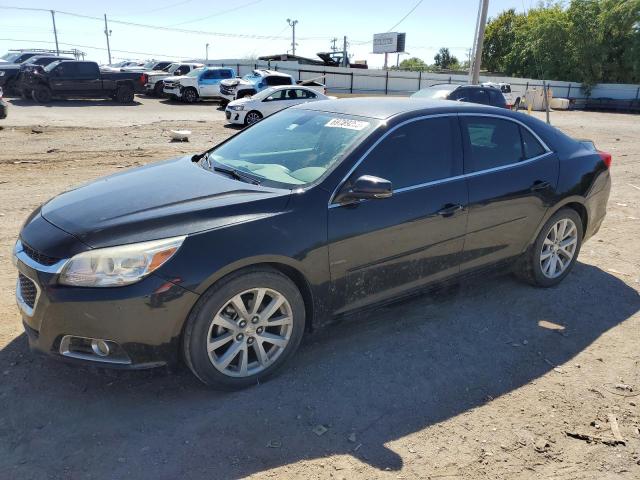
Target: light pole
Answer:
[[207, 49], [292, 24]]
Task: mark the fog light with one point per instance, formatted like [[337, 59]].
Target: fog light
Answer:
[[100, 348]]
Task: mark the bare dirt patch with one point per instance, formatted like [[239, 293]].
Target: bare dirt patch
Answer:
[[493, 380]]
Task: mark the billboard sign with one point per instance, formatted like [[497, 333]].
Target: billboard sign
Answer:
[[390, 42]]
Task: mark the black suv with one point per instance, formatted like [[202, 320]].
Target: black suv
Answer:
[[483, 95]]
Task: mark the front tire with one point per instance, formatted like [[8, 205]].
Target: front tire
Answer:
[[42, 94], [190, 95], [244, 329], [252, 117], [554, 253], [158, 89]]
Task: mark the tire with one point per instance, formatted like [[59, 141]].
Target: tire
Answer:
[[42, 94], [190, 95], [26, 94], [158, 89], [252, 117], [214, 318], [124, 94], [536, 265]]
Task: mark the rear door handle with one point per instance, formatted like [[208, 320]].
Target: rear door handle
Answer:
[[540, 185], [449, 210]]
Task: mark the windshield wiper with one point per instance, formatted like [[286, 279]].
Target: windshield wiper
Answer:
[[235, 173]]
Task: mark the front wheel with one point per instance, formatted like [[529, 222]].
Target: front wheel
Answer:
[[42, 94], [553, 255], [252, 117], [244, 328], [190, 95]]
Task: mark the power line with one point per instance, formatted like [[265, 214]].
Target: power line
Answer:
[[216, 14], [407, 15], [168, 6], [157, 27]]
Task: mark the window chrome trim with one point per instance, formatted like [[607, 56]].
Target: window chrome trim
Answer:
[[448, 179]]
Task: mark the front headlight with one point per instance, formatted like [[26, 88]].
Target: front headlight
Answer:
[[236, 107], [118, 266]]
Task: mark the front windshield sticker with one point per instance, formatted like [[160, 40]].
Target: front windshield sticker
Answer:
[[347, 123]]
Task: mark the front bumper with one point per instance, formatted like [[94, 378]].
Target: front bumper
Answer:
[[142, 322], [229, 97], [235, 116], [177, 91]]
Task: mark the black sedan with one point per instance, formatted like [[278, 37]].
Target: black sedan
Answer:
[[481, 94], [227, 258]]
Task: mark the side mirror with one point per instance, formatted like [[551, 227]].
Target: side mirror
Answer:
[[366, 187]]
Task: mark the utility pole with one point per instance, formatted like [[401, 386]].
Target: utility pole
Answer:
[[479, 42], [333, 41], [207, 54], [107, 33], [345, 58], [386, 57], [55, 31], [292, 24]]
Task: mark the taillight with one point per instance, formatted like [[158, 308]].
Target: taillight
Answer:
[[606, 158], [144, 79]]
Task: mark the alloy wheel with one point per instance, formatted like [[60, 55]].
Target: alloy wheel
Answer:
[[250, 332], [558, 248], [252, 117]]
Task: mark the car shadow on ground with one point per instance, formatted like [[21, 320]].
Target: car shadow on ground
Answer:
[[202, 103], [381, 376], [84, 102]]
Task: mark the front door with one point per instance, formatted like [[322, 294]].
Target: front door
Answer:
[[381, 248], [512, 180]]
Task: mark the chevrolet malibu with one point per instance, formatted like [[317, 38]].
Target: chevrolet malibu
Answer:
[[225, 259]]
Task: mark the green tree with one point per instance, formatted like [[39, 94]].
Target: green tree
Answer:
[[414, 63], [444, 60]]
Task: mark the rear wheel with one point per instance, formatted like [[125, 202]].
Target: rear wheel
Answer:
[[555, 251], [124, 94], [42, 94], [252, 117], [244, 328]]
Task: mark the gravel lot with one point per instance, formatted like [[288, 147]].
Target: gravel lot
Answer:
[[481, 382]]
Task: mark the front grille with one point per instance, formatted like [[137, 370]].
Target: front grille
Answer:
[[38, 257], [28, 291], [169, 84], [227, 90]]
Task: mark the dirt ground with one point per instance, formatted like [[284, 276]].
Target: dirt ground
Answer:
[[494, 380]]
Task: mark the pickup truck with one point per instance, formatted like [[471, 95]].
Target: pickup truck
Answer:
[[257, 81], [155, 79], [74, 79], [202, 83]]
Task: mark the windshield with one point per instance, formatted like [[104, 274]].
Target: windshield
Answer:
[[435, 92], [294, 147], [173, 67], [51, 66], [264, 93], [10, 57], [252, 77], [194, 73]]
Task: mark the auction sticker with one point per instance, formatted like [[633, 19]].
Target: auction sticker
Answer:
[[347, 123]]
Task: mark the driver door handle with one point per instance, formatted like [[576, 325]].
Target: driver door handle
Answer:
[[540, 185], [450, 209]]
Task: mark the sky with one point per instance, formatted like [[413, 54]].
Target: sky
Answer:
[[244, 28]]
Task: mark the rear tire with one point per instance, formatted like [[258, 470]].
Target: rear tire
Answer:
[[231, 348], [124, 94], [555, 251], [42, 94]]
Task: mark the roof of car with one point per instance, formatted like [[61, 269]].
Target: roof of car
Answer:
[[387, 107], [264, 71]]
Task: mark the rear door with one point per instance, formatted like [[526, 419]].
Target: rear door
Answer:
[[379, 249], [512, 179], [88, 78]]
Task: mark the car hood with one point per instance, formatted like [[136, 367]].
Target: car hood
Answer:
[[232, 82], [165, 199], [9, 66], [241, 101], [175, 78]]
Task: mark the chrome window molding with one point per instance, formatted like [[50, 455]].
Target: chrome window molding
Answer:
[[19, 254], [448, 179]]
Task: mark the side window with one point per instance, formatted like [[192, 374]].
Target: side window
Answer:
[[478, 96], [226, 74], [306, 94], [457, 94], [182, 69], [419, 152], [274, 80], [210, 74], [531, 147], [277, 95], [490, 142], [86, 70]]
